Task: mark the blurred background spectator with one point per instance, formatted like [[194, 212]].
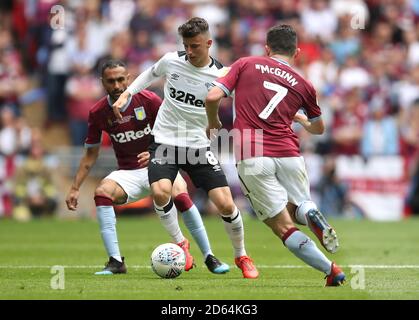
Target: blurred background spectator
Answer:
[[362, 56], [333, 193], [34, 192]]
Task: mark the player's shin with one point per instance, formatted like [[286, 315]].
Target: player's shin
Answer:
[[305, 249], [193, 221], [233, 225], [168, 217], [107, 223]]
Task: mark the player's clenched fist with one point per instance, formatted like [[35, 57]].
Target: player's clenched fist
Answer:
[[212, 129], [143, 159], [72, 199], [119, 103]]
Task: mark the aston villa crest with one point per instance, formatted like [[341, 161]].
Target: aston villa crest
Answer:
[[140, 113]]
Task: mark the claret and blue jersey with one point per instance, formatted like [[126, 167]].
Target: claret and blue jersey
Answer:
[[129, 136]]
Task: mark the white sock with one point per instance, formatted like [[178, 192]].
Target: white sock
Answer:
[[305, 249], [168, 218], [107, 224], [233, 225], [301, 211]]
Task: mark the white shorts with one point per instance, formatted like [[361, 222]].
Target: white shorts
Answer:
[[269, 183], [134, 182]]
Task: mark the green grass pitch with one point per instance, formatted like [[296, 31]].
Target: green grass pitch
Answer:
[[387, 251]]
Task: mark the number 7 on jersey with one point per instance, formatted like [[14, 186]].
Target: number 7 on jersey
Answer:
[[281, 92]]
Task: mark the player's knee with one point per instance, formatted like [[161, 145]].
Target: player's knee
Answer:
[[226, 207], [161, 194], [179, 187], [102, 191], [161, 199]]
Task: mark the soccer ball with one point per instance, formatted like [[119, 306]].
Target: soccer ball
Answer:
[[168, 260]]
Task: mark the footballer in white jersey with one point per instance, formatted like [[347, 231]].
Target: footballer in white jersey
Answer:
[[181, 120], [180, 136]]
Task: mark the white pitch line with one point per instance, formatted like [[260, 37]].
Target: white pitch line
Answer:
[[372, 266], [366, 266]]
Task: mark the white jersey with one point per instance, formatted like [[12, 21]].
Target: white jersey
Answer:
[[181, 120]]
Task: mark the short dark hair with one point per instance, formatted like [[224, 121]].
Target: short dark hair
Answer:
[[193, 27], [110, 64], [282, 39]]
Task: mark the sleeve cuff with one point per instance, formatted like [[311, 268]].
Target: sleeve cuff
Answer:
[[222, 87], [89, 145], [315, 119]]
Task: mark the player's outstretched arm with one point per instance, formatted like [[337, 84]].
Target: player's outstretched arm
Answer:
[[120, 103], [316, 127], [139, 84], [86, 163], [212, 103]]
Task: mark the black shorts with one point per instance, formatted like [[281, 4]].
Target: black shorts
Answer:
[[200, 164]]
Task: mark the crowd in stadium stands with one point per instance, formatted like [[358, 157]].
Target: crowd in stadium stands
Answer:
[[361, 56]]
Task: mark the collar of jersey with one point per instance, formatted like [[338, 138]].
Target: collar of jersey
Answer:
[[124, 107], [281, 61], [207, 66]]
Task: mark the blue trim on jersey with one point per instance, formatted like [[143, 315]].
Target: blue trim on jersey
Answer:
[[124, 107], [281, 61], [222, 87], [314, 119]]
